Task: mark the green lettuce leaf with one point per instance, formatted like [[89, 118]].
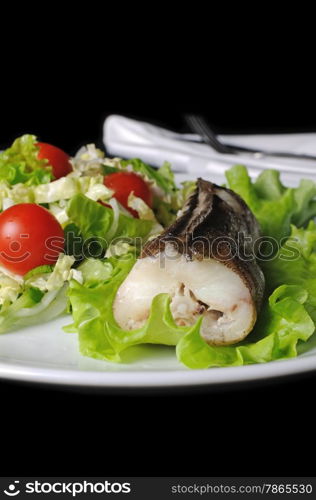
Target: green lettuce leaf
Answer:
[[166, 211], [283, 322], [163, 177], [295, 264], [67, 187], [95, 271], [289, 316], [97, 222], [39, 270], [99, 335], [20, 164], [275, 206]]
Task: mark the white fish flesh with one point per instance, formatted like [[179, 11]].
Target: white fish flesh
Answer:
[[205, 262]]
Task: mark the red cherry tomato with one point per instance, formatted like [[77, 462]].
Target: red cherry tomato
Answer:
[[56, 157], [30, 236], [123, 183]]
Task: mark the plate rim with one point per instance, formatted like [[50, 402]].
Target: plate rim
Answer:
[[155, 378]]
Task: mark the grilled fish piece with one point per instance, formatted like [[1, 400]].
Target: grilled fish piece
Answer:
[[205, 262]]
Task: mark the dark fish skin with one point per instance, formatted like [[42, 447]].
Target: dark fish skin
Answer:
[[216, 223]]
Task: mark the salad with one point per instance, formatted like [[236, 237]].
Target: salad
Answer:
[[83, 236]]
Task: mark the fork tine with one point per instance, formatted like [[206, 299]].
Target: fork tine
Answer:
[[194, 123], [208, 132], [199, 125]]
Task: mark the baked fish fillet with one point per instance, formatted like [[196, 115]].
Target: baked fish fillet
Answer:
[[205, 262]]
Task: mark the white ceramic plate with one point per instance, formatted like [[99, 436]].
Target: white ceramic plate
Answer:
[[45, 354]]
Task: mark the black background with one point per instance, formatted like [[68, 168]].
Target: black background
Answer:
[[71, 125], [250, 430]]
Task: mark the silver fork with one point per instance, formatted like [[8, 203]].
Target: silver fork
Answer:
[[198, 125]]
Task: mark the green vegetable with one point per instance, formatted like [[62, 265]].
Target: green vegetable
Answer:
[[38, 270], [33, 306], [188, 187], [55, 195], [144, 212], [295, 264], [274, 205], [162, 178], [168, 198], [89, 160], [99, 335], [95, 271], [73, 241], [283, 322], [19, 193], [97, 223], [19, 163], [165, 200], [107, 170], [38, 296], [289, 316], [166, 212], [62, 272], [67, 187], [54, 279]]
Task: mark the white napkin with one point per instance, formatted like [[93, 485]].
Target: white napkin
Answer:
[[129, 138]]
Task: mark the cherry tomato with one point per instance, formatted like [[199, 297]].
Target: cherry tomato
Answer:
[[30, 236], [56, 157], [123, 183]]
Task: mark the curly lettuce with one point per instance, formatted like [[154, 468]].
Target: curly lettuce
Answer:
[[162, 178], [99, 335], [275, 206], [284, 321], [20, 163], [102, 224]]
